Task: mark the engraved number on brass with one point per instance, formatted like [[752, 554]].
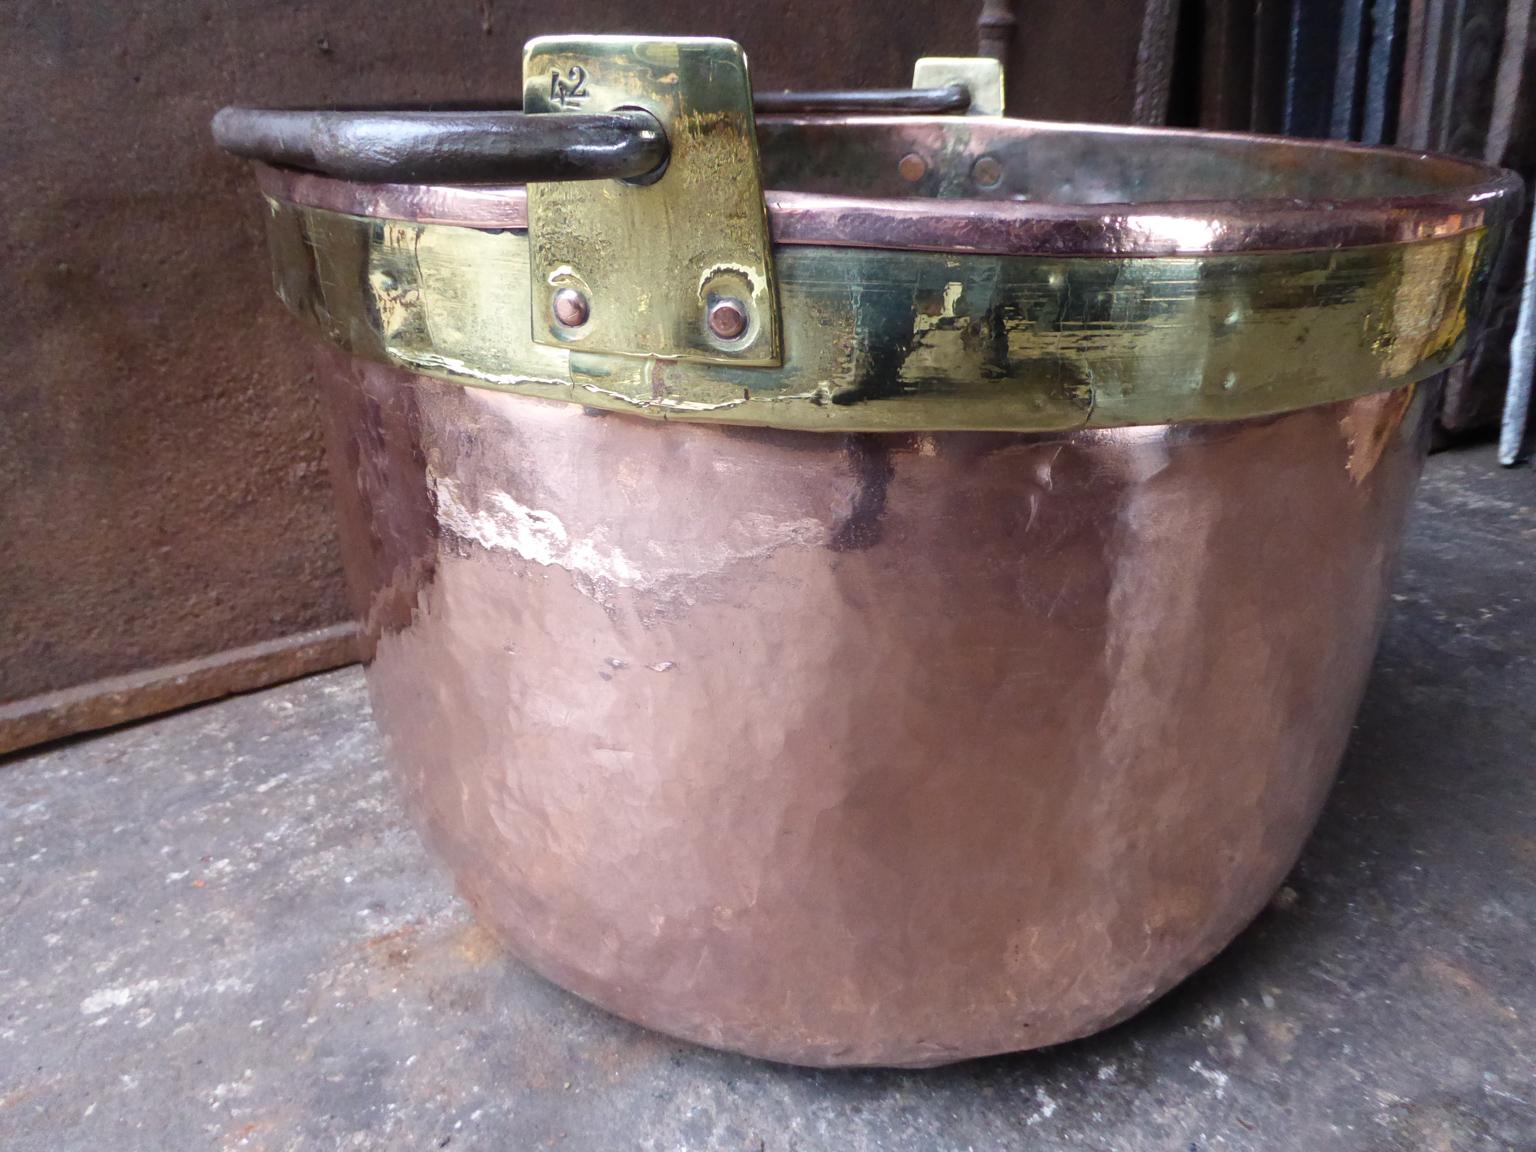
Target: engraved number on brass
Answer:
[[569, 90]]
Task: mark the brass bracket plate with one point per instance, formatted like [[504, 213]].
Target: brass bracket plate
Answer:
[[653, 259], [982, 76]]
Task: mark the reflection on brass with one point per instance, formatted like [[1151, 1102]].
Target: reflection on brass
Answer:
[[652, 255], [877, 339], [982, 77]]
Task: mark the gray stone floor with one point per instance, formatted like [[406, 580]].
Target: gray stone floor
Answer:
[[217, 932]]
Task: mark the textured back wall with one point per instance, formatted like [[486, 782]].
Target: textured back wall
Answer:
[[165, 523]]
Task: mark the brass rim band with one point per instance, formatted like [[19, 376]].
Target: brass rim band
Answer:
[[887, 340]]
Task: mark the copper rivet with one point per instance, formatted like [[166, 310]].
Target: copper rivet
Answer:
[[987, 171], [727, 318], [571, 308], [912, 167]]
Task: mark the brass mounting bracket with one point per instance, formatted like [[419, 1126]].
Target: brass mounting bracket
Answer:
[[982, 76], [676, 264]]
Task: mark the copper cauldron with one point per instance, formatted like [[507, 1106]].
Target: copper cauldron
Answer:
[[909, 613]]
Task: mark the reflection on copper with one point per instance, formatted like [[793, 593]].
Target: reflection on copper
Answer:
[[1370, 427], [871, 749]]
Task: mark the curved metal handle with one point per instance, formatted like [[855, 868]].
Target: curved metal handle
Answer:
[[469, 147], [868, 101], [449, 147]]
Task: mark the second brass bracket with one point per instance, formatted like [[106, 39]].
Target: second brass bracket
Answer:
[[982, 76], [677, 266]]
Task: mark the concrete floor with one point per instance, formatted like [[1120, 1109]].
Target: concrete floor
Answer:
[[217, 932]]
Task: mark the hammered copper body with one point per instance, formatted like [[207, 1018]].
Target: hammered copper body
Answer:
[[864, 749]]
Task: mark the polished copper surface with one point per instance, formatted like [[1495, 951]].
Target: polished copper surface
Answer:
[[870, 748], [1060, 190]]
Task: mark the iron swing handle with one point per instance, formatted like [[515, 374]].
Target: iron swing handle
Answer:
[[486, 146]]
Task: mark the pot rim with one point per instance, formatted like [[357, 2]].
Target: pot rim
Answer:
[[1469, 195]]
